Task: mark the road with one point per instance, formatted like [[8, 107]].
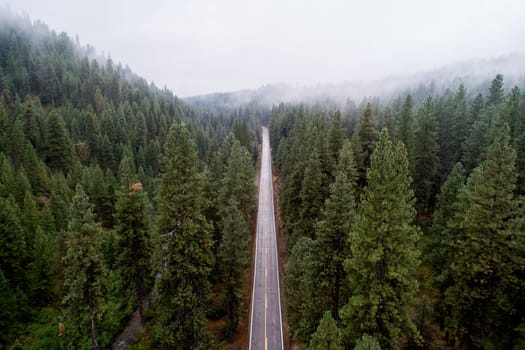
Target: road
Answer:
[[266, 330]]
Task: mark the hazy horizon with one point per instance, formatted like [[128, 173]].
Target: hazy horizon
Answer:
[[199, 47]]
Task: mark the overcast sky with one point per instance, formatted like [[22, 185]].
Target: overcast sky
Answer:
[[196, 46]]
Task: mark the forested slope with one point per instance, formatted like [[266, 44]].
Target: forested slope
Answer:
[[405, 221], [100, 173]]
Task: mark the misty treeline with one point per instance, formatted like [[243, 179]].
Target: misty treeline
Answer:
[[114, 193], [405, 221]]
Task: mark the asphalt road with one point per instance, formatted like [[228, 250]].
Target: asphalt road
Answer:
[[266, 331]]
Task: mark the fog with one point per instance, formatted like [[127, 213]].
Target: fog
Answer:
[[196, 47]]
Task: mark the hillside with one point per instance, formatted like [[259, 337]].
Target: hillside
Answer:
[[85, 147]]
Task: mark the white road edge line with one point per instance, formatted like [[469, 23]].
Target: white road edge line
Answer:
[[275, 250], [255, 263]]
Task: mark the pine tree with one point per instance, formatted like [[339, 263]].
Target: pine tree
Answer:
[[336, 139], [405, 124], [7, 176], [59, 149], [481, 136], [383, 255], [37, 177], [30, 126], [332, 244], [133, 241], [424, 155], [364, 141], [30, 217], [446, 199], [41, 267], [303, 309], [234, 259], [488, 241], [327, 336], [514, 114], [367, 134], [238, 179], [184, 288], [9, 310], [439, 250], [83, 268], [311, 197], [13, 244], [367, 342], [496, 94], [454, 128]]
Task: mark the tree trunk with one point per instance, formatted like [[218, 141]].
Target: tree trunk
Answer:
[[93, 328]]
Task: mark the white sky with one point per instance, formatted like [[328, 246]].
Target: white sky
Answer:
[[197, 46]]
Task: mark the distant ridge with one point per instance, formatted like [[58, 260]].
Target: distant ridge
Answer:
[[474, 74]]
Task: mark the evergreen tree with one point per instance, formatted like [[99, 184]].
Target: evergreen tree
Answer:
[[83, 268], [7, 176], [59, 149], [332, 239], [30, 127], [336, 139], [184, 288], [303, 311], [367, 342], [446, 199], [424, 155], [496, 94], [13, 244], [327, 336], [238, 179], [405, 124], [486, 291], [8, 310], [383, 252], [133, 242], [367, 134], [455, 125], [514, 114], [311, 197], [481, 136], [365, 141], [439, 250], [29, 216], [41, 267], [38, 177], [234, 259]]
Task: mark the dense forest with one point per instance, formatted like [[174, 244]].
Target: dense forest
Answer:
[[114, 193], [404, 218], [405, 221]]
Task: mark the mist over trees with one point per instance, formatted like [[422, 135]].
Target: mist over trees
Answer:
[[432, 250], [403, 215], [103, 186]]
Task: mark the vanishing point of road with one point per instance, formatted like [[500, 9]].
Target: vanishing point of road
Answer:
[[266, 330]]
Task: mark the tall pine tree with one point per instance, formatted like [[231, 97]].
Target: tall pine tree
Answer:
[[184, 288], [424, 155], [332, 245], [133, 248], [59, 149], [487, 237], [384, 255], [234, 259], [83, 269]]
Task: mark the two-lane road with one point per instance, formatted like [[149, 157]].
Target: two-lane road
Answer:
[[266, 331]]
